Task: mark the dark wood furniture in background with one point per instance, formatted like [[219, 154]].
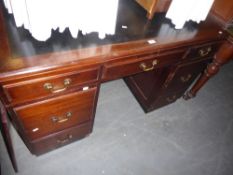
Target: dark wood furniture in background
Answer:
[[222, 10], [50, 89], [154, 6]]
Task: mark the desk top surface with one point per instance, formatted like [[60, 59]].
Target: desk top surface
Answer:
[[21, 53]]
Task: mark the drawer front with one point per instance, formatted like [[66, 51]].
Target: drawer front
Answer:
[[45, 86], [203, 51], [166, 98], [130, 66], [49, 116], [60, 138], [184, 75]]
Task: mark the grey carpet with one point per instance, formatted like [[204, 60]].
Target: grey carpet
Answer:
[[192, 137]]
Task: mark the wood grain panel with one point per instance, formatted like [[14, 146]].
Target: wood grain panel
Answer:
[[32, 89], [52, 115], [223, 9], [60, 139], [203, 50], [184, 75], [129, 66]]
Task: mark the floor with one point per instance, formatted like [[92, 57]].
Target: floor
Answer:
[[192, 137]]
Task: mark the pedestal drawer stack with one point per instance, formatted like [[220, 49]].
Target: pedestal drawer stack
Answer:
[[54, 109], [164, 85]]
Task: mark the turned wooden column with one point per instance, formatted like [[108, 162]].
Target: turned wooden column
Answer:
[[224, 54]]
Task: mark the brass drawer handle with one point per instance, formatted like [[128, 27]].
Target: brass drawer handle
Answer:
[[61, 119], [69, 137], [205, 51], [171, 99], [50, 86], [186, 78], [144, 67]]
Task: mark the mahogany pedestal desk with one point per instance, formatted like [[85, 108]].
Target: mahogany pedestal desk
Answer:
[[50, 89]]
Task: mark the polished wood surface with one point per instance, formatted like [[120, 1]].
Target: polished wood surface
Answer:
[[42, 82], [28, 55]]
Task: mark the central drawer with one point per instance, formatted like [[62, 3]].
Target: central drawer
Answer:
[[141, 63], [55, 114]]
